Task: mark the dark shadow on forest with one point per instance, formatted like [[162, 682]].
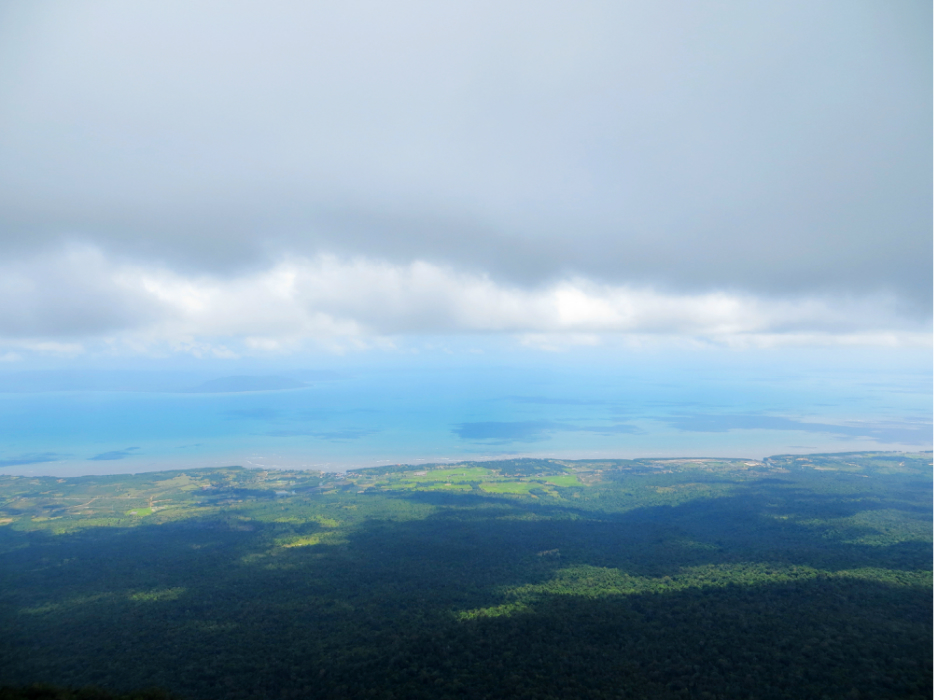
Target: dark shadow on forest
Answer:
[[210, 609]]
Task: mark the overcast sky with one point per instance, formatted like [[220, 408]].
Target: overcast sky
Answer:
[[237, 177]]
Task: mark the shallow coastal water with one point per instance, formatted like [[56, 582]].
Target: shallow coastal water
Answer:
[[358, 415]]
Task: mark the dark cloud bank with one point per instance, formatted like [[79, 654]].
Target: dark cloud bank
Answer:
[[774, 149]]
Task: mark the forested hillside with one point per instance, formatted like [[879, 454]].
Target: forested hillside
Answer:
[[795, 577]]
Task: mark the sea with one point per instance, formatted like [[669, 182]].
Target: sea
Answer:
[[339, 413]]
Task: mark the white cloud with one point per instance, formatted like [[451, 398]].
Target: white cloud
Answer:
[[77, 296]]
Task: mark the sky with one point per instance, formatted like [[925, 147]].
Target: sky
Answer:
[[207, 185], [234, 178]]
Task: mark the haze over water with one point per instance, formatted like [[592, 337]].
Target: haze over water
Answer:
[[437, 409]]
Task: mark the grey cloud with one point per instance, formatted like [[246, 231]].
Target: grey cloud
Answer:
[[68, 293], [778, 149]]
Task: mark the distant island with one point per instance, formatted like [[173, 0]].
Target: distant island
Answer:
[[796, 576]]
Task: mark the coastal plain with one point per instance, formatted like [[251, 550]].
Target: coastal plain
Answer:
[[791, 577]]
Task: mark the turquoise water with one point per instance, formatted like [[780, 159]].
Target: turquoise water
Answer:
[[438, 410]]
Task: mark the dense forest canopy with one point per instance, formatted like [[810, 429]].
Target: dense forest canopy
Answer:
[[792, 577]]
